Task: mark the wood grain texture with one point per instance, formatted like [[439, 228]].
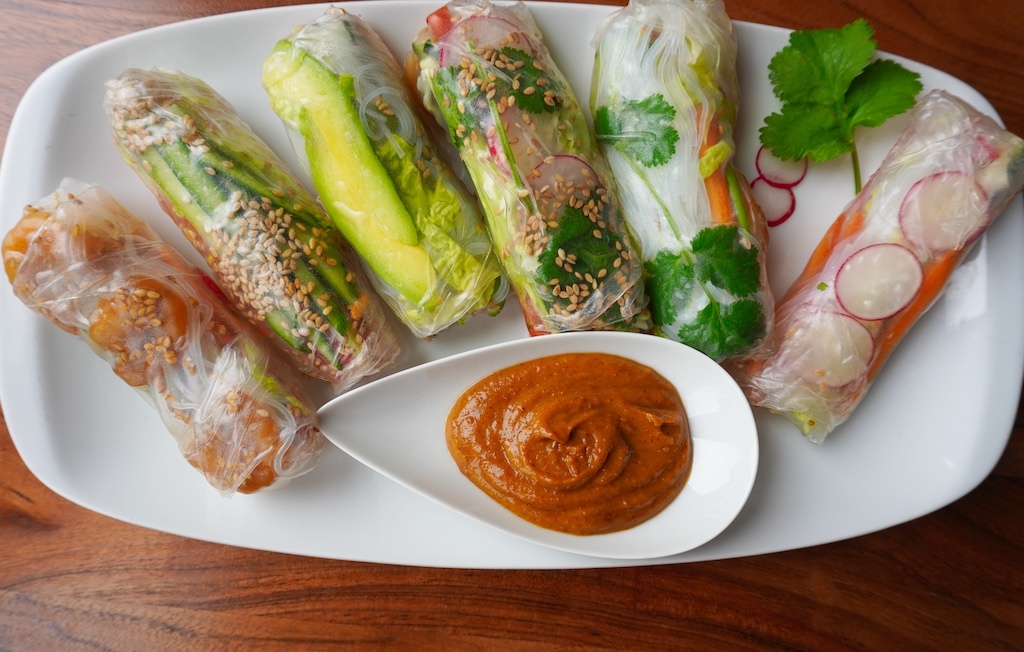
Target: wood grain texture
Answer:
[[71, 579]]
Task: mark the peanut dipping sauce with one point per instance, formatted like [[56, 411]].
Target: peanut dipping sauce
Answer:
[[583, 443]]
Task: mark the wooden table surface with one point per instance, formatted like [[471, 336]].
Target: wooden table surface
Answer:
[[72, 579]]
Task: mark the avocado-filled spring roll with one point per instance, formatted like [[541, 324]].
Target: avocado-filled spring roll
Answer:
[[486, 75], [884, 262], [342, 96], [270, 246], [664, 97], [236, 410]]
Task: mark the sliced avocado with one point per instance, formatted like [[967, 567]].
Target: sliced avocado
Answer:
[[354, 186]]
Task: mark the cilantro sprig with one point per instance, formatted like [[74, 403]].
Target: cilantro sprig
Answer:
[[830, 84], [575, 233], [720, 257], [640, 129]]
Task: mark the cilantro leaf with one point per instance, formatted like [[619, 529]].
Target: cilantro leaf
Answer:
[[830, 84], [669, 277], [885, 89], [575, 235], [803, 129], [448, 98], [718, 329], [640, 129], [819, 65], [726, 258], [721, 331], [586, 256]]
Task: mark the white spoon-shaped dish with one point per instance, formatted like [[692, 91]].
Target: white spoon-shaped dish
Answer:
[[396, 426]]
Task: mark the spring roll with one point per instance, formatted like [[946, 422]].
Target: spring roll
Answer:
[[664, 98], [236, 410], [486, 75], [270, 246], [343, 99], [884, 262]]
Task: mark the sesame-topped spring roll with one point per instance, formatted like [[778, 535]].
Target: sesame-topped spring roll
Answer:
[[884, 262], [235, 408], [486, 75], [269, 244], [343, 98], [665, 95]]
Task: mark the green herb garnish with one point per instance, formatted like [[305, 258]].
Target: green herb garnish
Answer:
[[829, 85], [724, 330], [640, 129], [721, 257]]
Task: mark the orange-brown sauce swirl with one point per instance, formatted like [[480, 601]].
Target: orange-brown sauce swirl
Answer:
[[584, 443]]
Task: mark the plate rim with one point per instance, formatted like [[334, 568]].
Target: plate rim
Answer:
[[19, 421]]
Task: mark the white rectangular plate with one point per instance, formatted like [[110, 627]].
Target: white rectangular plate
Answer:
[[930, 430]]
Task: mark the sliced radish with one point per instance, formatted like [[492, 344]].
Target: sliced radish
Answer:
[[562, 169], [777, 172], [944, 211], [878, 281], [561, 178], [777, 203], [830, 349], [984, 152], [525, 149], [479, 33]]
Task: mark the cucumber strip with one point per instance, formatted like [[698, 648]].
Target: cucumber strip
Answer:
[[335, 318], [200, 184], [324, 273], [742, 216], [186, 199]]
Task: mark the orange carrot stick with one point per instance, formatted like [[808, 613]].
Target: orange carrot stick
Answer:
[[936, 276], [717, 187], [716, 184]]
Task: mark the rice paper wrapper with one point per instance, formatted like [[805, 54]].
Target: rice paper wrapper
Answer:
[[665, 96], [269, 245], [342, 97], [550, 205], [884, 262]]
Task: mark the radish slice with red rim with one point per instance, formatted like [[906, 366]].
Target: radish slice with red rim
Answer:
[[878, 281], [778, 172], [559, 179], [831, 349], [944, 211], [481, 33], [777, 203], [526, 150]]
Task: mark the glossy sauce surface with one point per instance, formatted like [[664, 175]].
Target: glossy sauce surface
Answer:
[[583, 443]]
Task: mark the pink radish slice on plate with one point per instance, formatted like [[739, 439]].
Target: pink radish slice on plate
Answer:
[[777, 203], [944, 211], [777, 172], [878, 281], [831, 349]]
